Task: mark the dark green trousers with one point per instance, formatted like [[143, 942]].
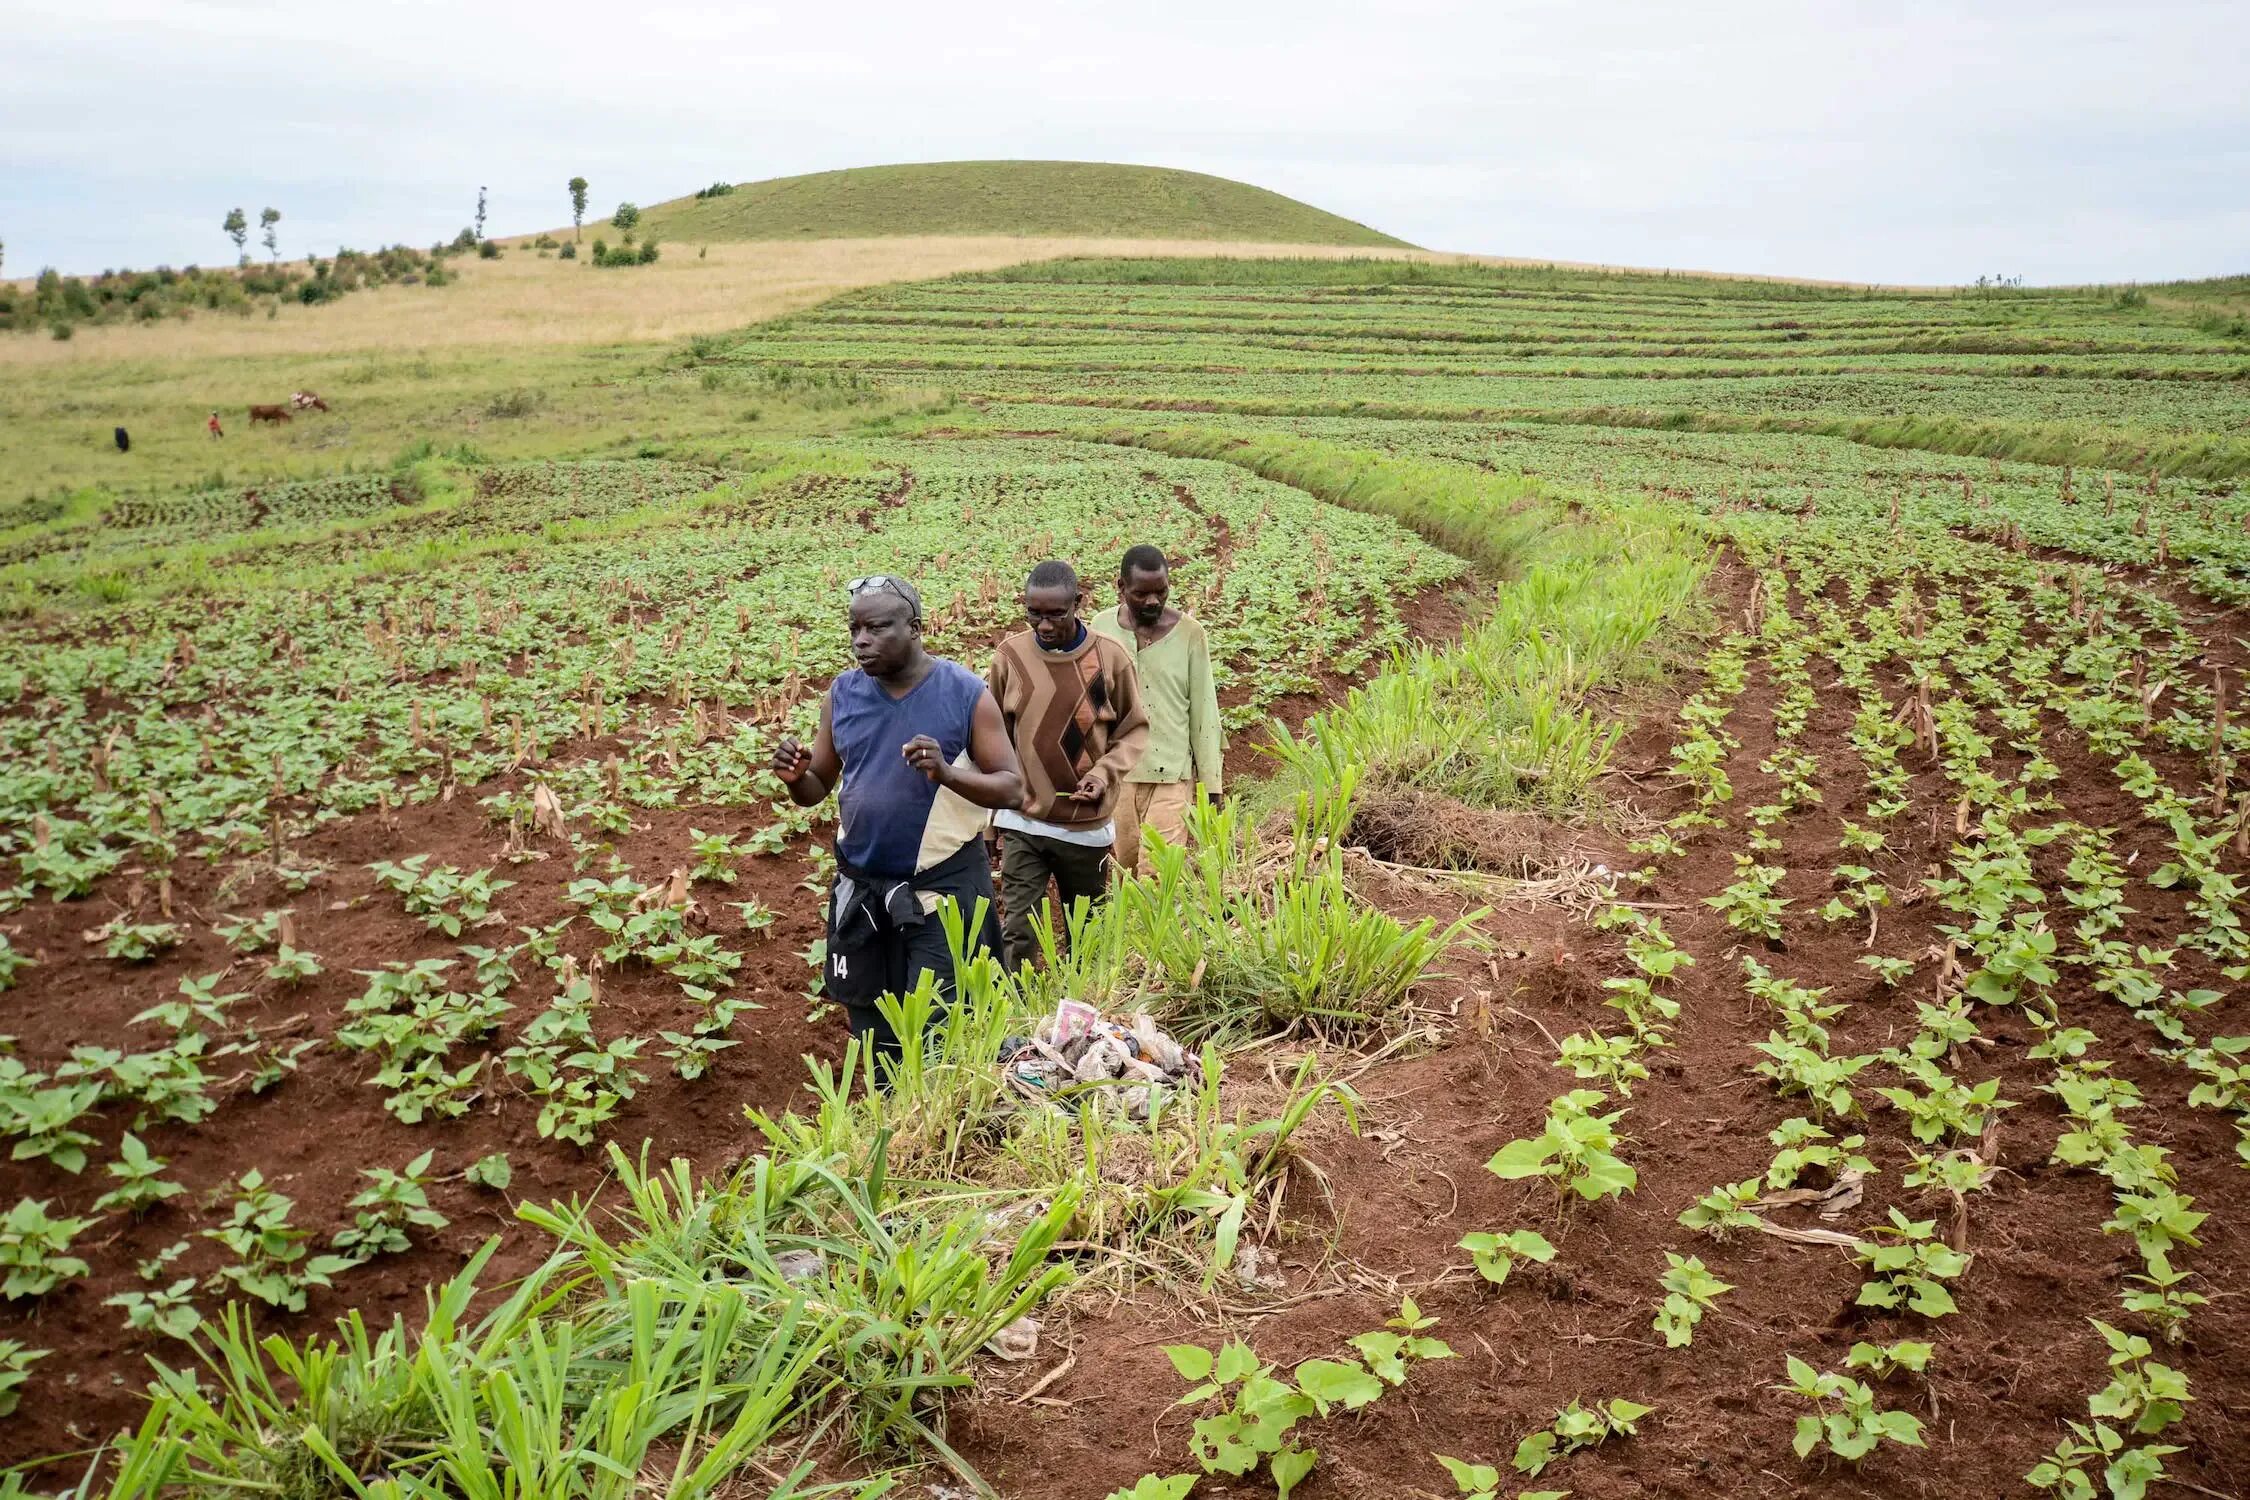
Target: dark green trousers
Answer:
[[1028, 861]]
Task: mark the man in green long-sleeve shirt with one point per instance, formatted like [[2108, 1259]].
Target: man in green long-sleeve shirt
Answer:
[[1185, 744]]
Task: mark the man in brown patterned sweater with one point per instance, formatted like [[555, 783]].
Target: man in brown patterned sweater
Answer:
[[1072, 702]]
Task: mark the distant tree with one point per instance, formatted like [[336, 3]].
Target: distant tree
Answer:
[[577, 207], [238, 229], [480, 213], [626, 216], [267, 218]]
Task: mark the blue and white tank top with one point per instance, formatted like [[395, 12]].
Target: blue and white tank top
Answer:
[[894, 822]]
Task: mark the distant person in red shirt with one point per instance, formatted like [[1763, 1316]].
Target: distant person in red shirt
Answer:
[[213, 424]]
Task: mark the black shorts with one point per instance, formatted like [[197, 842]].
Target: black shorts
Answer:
[[893, 960]]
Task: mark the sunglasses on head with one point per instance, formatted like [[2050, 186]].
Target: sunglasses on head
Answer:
[[884, 583]]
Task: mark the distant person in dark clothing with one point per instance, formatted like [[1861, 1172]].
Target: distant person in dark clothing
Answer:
[[915, 749], [124, 443]]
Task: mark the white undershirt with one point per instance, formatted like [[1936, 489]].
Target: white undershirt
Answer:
[[1091, 838]]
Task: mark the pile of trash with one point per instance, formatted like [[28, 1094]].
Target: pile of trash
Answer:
[[1078, 1045]]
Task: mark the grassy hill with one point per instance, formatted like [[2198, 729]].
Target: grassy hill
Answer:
[[1004, 197]]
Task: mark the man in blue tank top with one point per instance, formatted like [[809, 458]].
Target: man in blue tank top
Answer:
[[915, 749]]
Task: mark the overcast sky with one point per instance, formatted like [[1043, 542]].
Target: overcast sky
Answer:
[[2057, 140]]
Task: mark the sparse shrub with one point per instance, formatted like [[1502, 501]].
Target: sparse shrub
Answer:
[[626, 217], [488, 250], [568, 252], [521, 402]]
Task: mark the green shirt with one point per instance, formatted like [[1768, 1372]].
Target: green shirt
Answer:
[[1185, 742]]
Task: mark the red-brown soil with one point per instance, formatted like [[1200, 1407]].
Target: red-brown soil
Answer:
[[2016, 1362], [292, 1132], [89, 1385]]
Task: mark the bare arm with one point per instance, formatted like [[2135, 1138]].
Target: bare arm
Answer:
[[994, 779], [810, 774]]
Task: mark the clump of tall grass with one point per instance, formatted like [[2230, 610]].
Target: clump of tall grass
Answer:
[[1503, 717], [1173, 1189], [1228, 938]]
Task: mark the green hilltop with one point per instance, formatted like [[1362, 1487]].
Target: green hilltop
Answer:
[[1004, 197]]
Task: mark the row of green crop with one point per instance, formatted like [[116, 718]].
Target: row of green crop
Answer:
[[841, 1285]]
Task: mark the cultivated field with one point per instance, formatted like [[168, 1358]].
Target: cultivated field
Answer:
[[1750, 1009]]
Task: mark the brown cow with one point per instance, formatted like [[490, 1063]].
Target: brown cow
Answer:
[[274, 414]]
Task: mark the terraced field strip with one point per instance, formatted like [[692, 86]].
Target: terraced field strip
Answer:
[[2128, 384]]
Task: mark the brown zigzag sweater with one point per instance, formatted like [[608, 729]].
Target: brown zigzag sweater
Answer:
[[1070, 713]]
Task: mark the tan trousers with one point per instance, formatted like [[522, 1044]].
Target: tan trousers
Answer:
[[1161, 805]]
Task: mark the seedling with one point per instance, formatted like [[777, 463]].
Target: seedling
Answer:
[[1884, 1360], [691, 1056], [495, 968], [1155, 1487], [1400, 1339], [2142, 1395], [1690, 1290], [170, 1311], [1945, 1107], [34, 1250], [446, 898], [2161, 1301], [1263, 1408], [11, 962], [1576, 1427], [1726, 1208], [1892, 971], [1806, 1147], [270, 1252], [1750, 905], [45, 1118], [1496, 1254], [491, 1172], [137, 942], [1482, 1482], [1911, 1270], [200, 1004], [155, 1267], [140, 1179], [1612, 1059], [293, 966], [1844, 1415], [15, 1372], [245, 935], [1576, 1150], [2125, 1473], [396, 1202], [715, 855], [2157, 1220], [1826, 1082]]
